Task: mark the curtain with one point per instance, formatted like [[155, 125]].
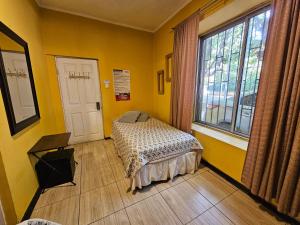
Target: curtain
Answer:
[[184, 73], [272, 165]]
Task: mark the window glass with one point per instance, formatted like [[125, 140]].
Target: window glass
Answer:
[[229, 69]]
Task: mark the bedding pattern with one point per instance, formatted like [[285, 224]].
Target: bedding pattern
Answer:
[[140, 143]]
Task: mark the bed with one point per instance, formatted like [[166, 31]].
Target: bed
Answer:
[[155, 151]]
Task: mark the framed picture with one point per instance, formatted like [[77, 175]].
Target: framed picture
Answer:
[[161, 82], [169, 64]]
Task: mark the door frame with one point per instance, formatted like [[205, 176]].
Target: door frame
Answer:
[[59, 86]]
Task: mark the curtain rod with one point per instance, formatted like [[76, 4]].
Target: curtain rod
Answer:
[[200, 10]]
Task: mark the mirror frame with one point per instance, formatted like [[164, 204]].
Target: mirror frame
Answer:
[[13, 126]]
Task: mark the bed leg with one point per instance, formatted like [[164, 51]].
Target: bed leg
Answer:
[[130, 185]]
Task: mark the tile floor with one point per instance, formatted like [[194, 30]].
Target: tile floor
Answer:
[[101, 198]]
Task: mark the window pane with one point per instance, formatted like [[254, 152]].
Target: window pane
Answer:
[[222, 101], [258, 27], [220, 62]]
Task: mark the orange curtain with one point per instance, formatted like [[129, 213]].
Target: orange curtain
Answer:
[[184, 73], [272, 166]]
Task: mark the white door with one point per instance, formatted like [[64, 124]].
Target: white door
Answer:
[[81, 97], [19, 84]]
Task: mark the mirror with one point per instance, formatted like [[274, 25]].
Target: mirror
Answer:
[[17, 84]]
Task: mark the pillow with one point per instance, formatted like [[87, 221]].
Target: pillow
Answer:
[[143, 117], [130, 117]]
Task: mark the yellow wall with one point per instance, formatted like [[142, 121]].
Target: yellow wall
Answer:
[[115, 47], [22, 16], [225, 157], [9, 45], [5, 196]]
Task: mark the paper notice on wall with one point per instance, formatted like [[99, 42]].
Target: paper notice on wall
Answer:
[[122, 84]]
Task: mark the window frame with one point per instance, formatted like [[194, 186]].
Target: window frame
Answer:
[[243, 18]]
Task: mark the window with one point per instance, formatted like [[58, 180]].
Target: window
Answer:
[[229, 67]]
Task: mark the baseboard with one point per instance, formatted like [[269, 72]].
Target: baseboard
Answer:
[[32, 204], [259, 200]]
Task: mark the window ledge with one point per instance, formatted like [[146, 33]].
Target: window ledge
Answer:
[[228, 139]]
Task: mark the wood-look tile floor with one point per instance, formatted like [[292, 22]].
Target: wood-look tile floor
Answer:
[[101, 198]]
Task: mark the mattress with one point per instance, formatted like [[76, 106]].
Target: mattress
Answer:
[[144, 142]]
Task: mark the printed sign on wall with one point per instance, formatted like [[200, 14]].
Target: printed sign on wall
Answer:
[[122, 84]]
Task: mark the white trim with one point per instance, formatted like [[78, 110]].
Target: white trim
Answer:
[[228, 139], [115, 23]]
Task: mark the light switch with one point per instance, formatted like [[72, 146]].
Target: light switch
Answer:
[[106, 83]]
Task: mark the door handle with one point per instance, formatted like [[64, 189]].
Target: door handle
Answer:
[[98, 106]]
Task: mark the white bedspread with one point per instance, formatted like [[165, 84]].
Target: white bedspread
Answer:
[[142, 142]]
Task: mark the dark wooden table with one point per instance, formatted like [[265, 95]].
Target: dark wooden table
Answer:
[[50, 142]]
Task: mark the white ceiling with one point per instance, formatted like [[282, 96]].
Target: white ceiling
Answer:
[[147, 15]]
